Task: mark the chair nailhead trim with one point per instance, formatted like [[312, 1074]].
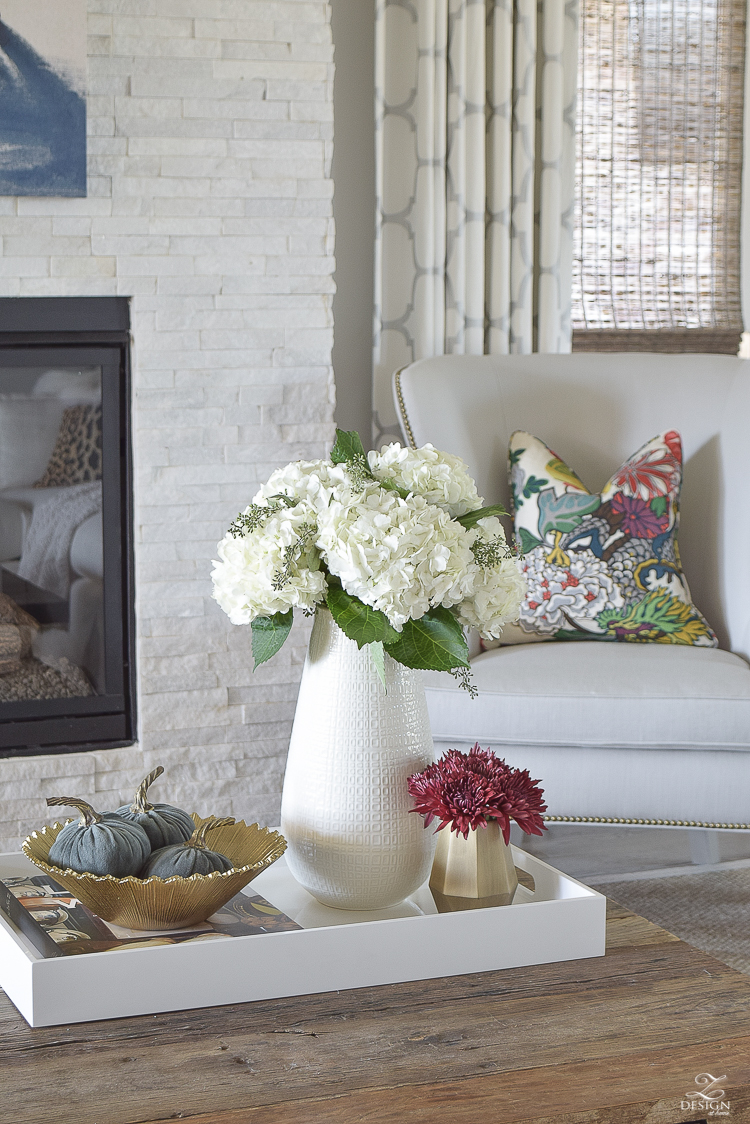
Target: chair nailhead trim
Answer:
[[647, 823]]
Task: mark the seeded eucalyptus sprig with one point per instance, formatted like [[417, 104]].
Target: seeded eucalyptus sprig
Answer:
[[256, 515], [490, 552], [295, 550]]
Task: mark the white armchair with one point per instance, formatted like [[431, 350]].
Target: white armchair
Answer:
[[623, 733]]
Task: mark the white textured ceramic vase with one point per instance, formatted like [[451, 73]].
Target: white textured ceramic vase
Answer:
[[353, 842]]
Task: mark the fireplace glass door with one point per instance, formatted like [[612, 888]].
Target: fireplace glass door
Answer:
[[64, 548]]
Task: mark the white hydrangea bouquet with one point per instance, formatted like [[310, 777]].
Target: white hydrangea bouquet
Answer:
[[396, 544]]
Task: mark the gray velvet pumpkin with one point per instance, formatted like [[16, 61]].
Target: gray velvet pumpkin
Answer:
[[191, 857], [98, 844], [163, 823]]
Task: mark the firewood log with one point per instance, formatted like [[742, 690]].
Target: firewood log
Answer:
[[12, 643], [11, 613]]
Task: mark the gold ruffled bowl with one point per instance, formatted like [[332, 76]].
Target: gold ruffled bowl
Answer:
[[170, 903]]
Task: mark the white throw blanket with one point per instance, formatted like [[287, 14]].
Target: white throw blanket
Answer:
[[54, 522]]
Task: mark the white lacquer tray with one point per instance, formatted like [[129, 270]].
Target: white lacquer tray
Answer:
[[335, 950]]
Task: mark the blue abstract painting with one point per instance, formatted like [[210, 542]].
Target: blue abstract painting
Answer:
[[43, 97]]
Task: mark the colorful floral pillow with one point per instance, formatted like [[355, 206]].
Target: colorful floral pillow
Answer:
[[605, 566]]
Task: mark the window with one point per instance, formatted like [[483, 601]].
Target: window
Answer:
[[659, 163]]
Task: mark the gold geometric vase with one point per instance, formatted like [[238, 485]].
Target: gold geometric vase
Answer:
[[472, 873]]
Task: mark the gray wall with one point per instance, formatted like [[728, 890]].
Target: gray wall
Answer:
[[353, 24]]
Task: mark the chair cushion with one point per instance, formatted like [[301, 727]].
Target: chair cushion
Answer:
[[603, 566], [592, 694]]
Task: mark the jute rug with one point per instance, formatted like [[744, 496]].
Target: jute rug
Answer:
[[710, 910]]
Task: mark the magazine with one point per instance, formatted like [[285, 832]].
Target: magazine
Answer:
[[58, 924]]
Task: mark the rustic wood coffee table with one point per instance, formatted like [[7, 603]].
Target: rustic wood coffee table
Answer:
[[613, 1040]]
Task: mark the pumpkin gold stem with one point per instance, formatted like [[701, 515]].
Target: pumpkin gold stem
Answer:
[[88, 815], [141, 803], [198, 838]]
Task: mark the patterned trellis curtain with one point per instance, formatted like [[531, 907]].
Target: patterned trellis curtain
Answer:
[[475, 150]]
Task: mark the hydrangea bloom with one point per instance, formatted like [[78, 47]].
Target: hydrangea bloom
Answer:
[[499, 585], [313, 482], [400, 551], [399, 556], [441, 478], [270, 569]]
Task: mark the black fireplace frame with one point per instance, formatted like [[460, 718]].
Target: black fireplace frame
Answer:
[[96, 329]]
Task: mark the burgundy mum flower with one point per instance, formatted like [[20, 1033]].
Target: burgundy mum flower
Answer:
[[466, 790], [524, 803], [481, 762]]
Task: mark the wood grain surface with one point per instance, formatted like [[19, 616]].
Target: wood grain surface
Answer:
[[611, 1040]]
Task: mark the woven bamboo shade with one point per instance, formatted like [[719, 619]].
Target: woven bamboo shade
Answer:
[[657, 219]]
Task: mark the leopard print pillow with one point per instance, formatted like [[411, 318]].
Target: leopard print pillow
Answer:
[[77, 455]]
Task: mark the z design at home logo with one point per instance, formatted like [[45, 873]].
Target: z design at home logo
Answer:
[[708, 1095]]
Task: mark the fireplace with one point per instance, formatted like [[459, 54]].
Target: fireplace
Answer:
[[67, 677]]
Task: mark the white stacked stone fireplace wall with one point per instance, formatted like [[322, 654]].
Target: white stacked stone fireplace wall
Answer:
[[209, 203]]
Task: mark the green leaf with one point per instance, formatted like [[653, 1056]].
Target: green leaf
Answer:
[[433, 643], [658, 505], [358, 621], [269, 633], [392, 486], [471, 518], [377, 654], [287, 501], [528, 541], [348, 447]]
